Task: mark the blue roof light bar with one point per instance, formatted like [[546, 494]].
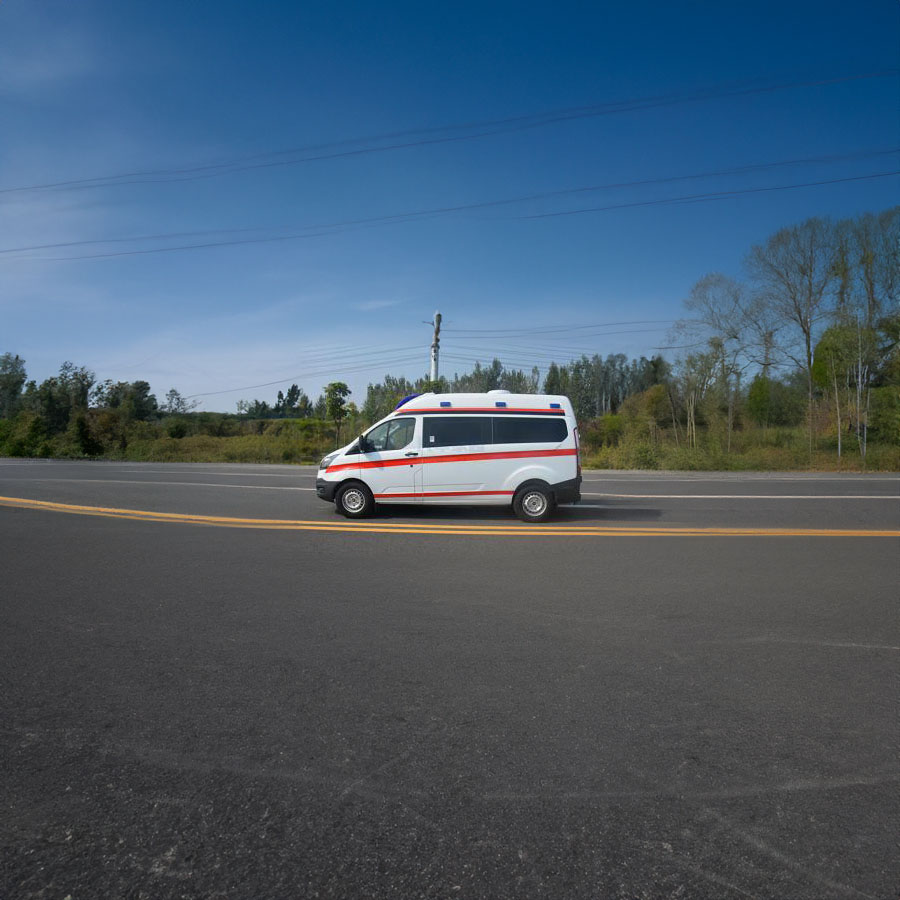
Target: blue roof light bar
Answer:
[[406, 399]]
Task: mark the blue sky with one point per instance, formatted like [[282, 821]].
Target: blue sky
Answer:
[[97, 89]]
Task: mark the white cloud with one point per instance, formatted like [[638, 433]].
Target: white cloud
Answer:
[[36, 56], [371, 305]]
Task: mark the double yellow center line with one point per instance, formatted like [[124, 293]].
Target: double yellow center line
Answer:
[[378, 527]]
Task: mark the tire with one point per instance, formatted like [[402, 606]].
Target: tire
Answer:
[[533, 503], [354, 500]]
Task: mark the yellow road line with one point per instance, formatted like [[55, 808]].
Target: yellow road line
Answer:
[[500, 529]]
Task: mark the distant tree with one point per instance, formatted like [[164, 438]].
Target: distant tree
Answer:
[[133, 399], [695, 373], [56, 399], [290, 400], [176, 404], [12, 380], [480, 379], [336, 394], [80, 436], [793, 272], [304, 408], [384, 396], [76, 382], [557, 380], [49, 402], [771, 402]]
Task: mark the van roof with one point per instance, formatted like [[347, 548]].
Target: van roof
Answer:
[[538, 403]]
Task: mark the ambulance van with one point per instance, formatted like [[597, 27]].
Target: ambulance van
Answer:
[[497, 449]]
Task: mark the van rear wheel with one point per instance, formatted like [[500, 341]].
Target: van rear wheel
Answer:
[[533, 504], [354, 500]]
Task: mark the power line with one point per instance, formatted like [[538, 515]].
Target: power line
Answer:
[[338, 228], [493, 333], [714, 195], [480, 129], [330, 370], [443, 210]]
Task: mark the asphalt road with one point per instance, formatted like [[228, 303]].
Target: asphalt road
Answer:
[[662, 694]]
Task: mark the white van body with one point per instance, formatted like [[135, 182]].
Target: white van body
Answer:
[[472, 449]]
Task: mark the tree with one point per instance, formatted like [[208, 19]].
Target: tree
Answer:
[[832, 367], [76, 382], [695, 372], [12, 380], [290, 400], [772, 402], [874, 242], [133, 400], [56, 398], [383, 397], [793, 272], [176, 404], [336, 394], [481, 379]]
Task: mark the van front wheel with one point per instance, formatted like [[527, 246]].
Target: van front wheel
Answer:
[[533, 504], [355, 501]]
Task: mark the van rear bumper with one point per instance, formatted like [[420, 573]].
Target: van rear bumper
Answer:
[[325, 490], [567, 491]]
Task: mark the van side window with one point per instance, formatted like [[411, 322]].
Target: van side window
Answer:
[[515, 430], [377, 437], [392, 435], [400, 433], [456, 431]]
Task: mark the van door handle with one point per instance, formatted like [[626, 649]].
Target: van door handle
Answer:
[[412, 453]]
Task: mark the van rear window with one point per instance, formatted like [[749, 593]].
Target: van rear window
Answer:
[[460, 431], [513, 430]]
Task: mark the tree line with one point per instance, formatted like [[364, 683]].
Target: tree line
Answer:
[[806, 336]]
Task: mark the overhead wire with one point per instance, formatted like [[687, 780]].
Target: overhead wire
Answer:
[[330, 370], [712, 195], [397, 218], [480, 129]]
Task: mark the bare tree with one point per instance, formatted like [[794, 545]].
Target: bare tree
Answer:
[[721, 318], [875, 246], [793, 273], [694, 374]]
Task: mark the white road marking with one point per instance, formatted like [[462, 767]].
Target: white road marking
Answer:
[[746, 496], [853, 645], [744, 478]]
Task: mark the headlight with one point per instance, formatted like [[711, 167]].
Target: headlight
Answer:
[[326, 460]]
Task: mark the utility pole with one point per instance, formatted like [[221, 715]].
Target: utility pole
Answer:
[[435, 347]]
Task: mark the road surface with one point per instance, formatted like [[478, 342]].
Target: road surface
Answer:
[[215, 687]]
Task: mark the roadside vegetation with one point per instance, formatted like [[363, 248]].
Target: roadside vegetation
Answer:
[[796, 365]]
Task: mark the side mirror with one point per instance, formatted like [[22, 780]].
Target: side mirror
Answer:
[[363, 444]]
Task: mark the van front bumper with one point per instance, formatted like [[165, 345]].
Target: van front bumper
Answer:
[[568, 491], [326, 490]]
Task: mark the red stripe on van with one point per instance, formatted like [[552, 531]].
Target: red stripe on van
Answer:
[[456, 457], [449, 494], [480, 409]]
